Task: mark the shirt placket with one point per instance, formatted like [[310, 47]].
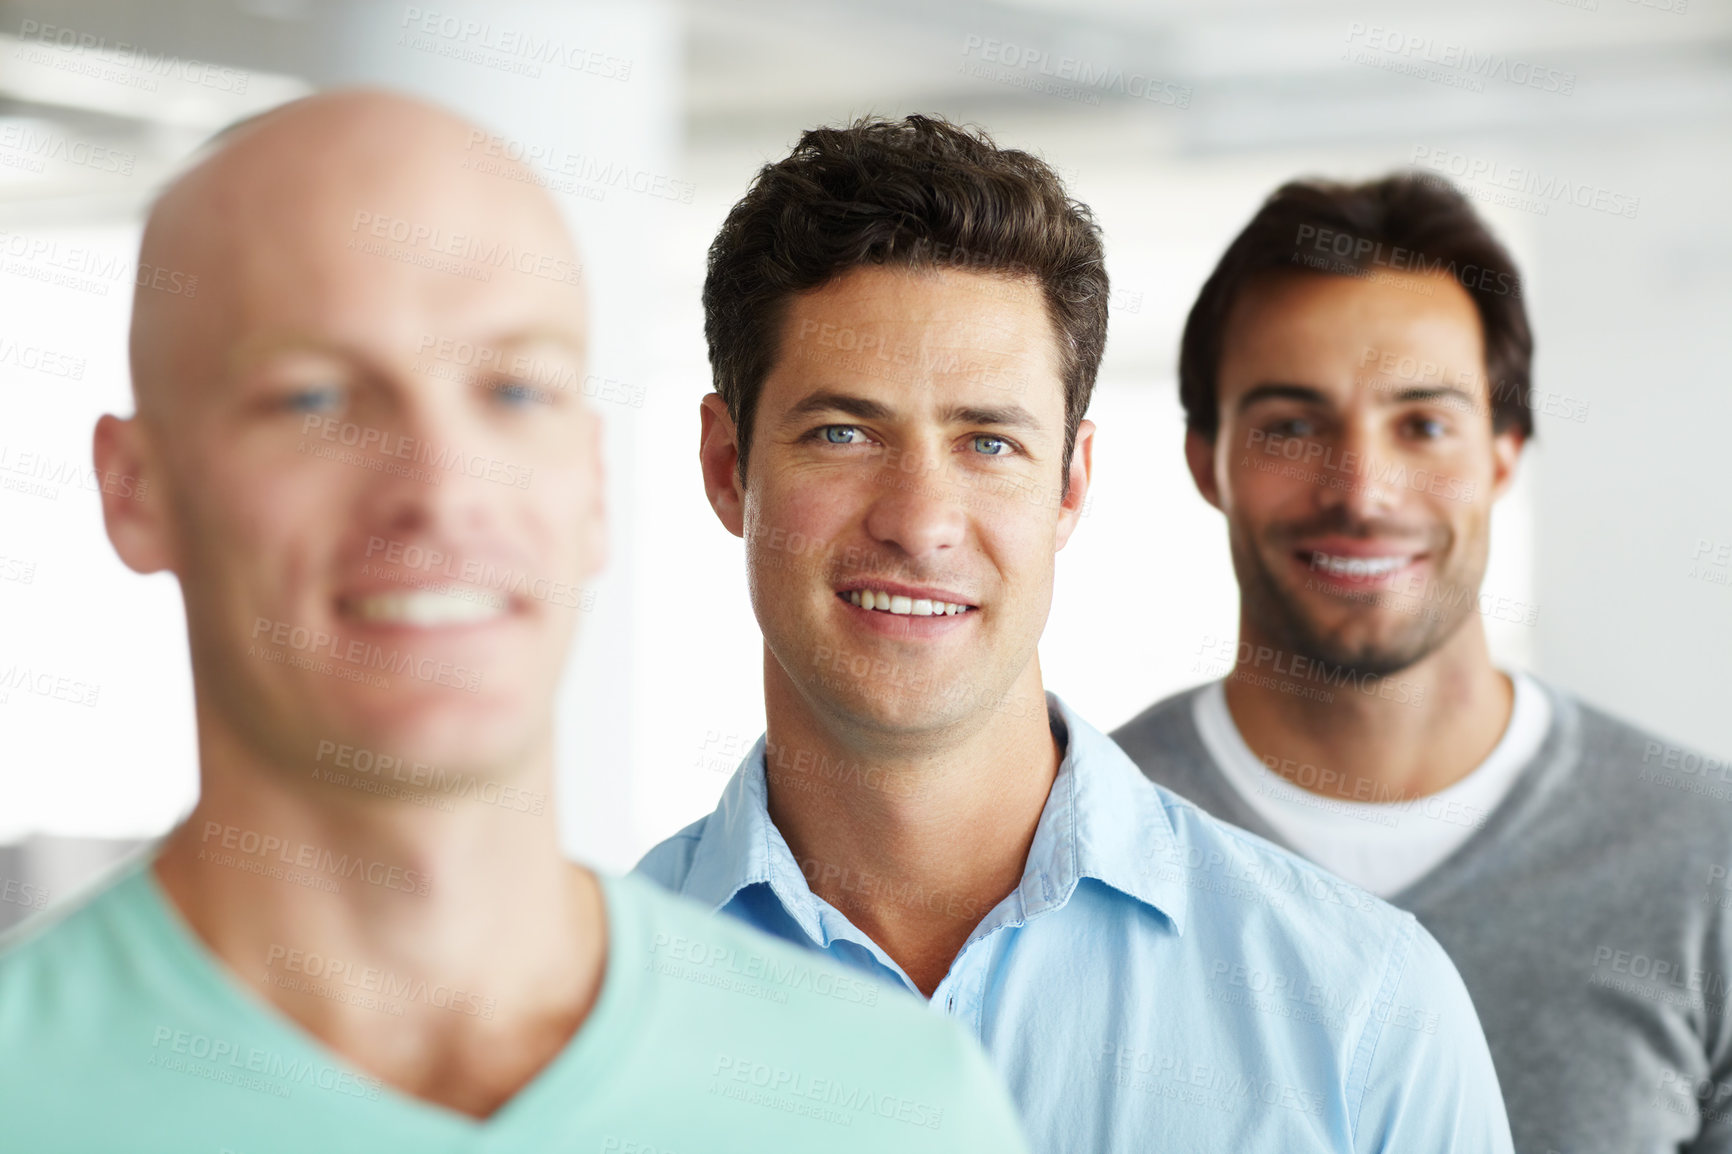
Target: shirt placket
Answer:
[[962, 993]]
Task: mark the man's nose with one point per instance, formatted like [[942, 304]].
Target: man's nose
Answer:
[[1366, 478], [918, 507], [436, 472]]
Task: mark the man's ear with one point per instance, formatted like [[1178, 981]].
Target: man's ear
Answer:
[[1082, 467], [719, 455], [134, 499], [1506, 452], [1200, 456]]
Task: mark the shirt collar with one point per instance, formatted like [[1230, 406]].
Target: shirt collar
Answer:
[[1103, 820]]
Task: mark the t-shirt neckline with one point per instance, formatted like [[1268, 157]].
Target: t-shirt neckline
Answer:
[[593, 1050]]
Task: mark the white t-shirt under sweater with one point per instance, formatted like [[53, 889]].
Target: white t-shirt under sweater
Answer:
[[1384, 846]]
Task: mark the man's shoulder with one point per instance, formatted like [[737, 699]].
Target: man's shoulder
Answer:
[[1617, 784], [669, 862], [1219, 858], [79, 951], [685, 939], [1163, 742], [1606, 755], [781, 1007], [1162, 724]]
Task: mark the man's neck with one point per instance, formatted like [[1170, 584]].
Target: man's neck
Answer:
[[493, 942], [1372, 738], [914, 837]]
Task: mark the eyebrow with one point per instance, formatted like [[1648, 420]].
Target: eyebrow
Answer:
[[1432, 393], [1281, 391], [1277, 391], [542, 334], [251, 353], [830, 401]]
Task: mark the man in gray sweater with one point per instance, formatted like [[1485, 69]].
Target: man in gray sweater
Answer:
[[1355, 376]]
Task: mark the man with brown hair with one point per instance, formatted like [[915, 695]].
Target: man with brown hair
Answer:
[[905, 323], [1356, 379]]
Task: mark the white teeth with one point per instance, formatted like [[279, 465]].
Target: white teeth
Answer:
[[1358, 566], [903, 606], [428, 608]]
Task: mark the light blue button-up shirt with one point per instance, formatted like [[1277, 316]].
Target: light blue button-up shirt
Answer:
[[1160, 980]]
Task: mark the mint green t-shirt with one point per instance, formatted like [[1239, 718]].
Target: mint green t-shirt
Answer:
[[120, 1033]]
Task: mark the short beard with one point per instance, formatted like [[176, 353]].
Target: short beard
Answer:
[[1281, 618]]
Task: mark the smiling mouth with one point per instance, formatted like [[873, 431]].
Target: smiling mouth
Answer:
[[903, 606], [427, 608], [1359, 568]]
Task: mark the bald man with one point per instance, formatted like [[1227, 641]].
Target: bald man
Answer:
[[380, 489]]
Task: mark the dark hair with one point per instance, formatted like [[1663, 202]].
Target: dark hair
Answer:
[[915, 193], [1403, 222]]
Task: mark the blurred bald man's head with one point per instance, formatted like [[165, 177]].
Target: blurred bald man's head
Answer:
[[370, 462], [278, 218]]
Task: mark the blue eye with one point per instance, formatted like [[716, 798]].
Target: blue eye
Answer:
[[1429, 429], [988, 446], [1292, 427], [516, 394], [314, 400], [842, 434]]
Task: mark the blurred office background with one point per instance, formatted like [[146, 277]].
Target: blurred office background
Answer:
[[1594, 134]]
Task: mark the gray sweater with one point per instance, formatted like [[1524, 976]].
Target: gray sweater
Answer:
[[1591, 917]]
